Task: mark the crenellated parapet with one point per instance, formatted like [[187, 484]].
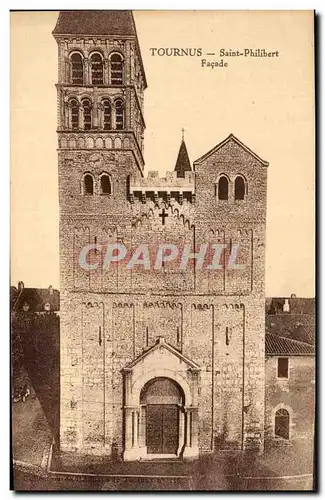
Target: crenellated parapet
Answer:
[[170, 186]]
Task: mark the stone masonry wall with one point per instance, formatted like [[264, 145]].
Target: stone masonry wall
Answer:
[[122, 336], [295, 394], [214, 317]]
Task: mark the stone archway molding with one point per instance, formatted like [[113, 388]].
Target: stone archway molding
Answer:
[[282, 406], [157, 373], [161, 360]]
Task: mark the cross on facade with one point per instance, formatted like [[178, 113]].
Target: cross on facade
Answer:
[[163, 215]]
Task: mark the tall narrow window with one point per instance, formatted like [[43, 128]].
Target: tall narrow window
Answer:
[[282, 424], [239, 188], [283, 368], [77, 69], [74, 110], [228, 335], [178, 335], [88, 184], [119, 114], [105, 184], [86, 105], [97, 69], [223, 188], [116, 61], [107, 115]]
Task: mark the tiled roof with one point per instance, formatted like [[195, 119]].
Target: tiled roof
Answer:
[[297, 305], [36, 298], [298, 327], [298, 323], [183, 162], [95, 22], [281, 346]]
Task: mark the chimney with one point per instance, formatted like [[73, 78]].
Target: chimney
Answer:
[[293, 295], [286, 306], [51, 289], [21, 286]]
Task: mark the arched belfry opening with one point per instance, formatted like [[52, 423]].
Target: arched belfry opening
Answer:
[[162, 401]]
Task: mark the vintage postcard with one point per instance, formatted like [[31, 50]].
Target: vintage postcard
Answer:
[[162, 245]]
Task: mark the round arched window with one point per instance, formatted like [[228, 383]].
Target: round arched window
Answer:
[[223, 188], [240, 188], [119, 114], [77, 69], [97, 69], [116, 62], [86, 106], [107, 109], [105, 184], [74, 113], [88, 184]]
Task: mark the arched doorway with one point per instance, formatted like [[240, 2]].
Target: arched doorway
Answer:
[[162, 401], [282, 424]]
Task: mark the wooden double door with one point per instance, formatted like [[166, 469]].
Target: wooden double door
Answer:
[[162, 428]]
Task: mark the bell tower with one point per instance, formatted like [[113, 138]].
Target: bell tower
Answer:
[[100, 127], [101, 82]]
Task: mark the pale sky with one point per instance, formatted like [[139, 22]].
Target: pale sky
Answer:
[[267, 103]]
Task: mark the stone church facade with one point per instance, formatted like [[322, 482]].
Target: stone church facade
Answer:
[[168, 360]]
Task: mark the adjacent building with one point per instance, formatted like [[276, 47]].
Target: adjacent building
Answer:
[[34, 300], [289, 370]]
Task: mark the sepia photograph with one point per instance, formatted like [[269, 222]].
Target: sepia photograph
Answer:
[[162, 298]]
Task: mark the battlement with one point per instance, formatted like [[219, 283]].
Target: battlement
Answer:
[[169, 186]]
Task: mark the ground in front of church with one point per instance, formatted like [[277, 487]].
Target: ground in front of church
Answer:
[[280, 468]]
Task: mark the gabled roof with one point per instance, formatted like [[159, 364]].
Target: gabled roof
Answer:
[[161, 343], [281, 346], [95, 22], [297, 305], [298, 323], [294, 326], [183, 162], [36, 298], [230, 138]]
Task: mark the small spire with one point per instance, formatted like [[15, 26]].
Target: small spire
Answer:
[[183, 162]]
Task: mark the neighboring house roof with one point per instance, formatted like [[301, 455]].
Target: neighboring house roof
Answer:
[[234, 139], [281, 346], [297, 305], [36, 298], [298, 323], [299, 327], [183, 162]]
